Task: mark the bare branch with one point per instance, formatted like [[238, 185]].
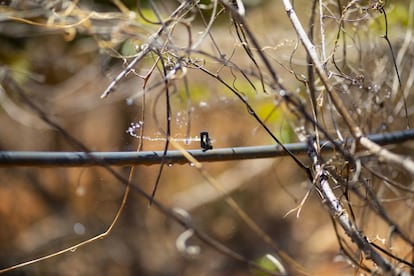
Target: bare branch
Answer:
[[340, 214]]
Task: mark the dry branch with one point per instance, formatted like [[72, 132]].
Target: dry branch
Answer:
[[340, 214]]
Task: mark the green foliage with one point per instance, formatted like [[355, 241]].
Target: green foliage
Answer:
[[14, 55], [129, 47], [269, 263], [399, 14], [198, 93], [276, 118]]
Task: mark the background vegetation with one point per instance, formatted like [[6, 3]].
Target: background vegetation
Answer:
[[198, 68]]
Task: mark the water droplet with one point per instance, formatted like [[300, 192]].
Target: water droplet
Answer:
[[129, 101], [250, 110], [170, 164], [80, 190], [223, 99], [388, 95], [192, 164], [133, 127], [79, 229], [203, 104]]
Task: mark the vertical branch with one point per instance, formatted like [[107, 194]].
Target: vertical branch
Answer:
[[322, 30], [311, 72], [168, 121], [394, 62], [401, 55], [340, 214]]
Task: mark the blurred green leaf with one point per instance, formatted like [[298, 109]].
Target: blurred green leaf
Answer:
[[398, 14], [269, 263]]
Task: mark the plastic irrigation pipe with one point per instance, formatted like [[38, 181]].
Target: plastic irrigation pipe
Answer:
[[82, 159]]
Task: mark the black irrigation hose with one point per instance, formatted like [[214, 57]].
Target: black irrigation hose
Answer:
[[81, 159]]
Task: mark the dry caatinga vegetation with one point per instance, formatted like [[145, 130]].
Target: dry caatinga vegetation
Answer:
[[206, 137]]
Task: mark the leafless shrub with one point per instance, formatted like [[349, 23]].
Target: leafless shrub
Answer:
[[337, 75]]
